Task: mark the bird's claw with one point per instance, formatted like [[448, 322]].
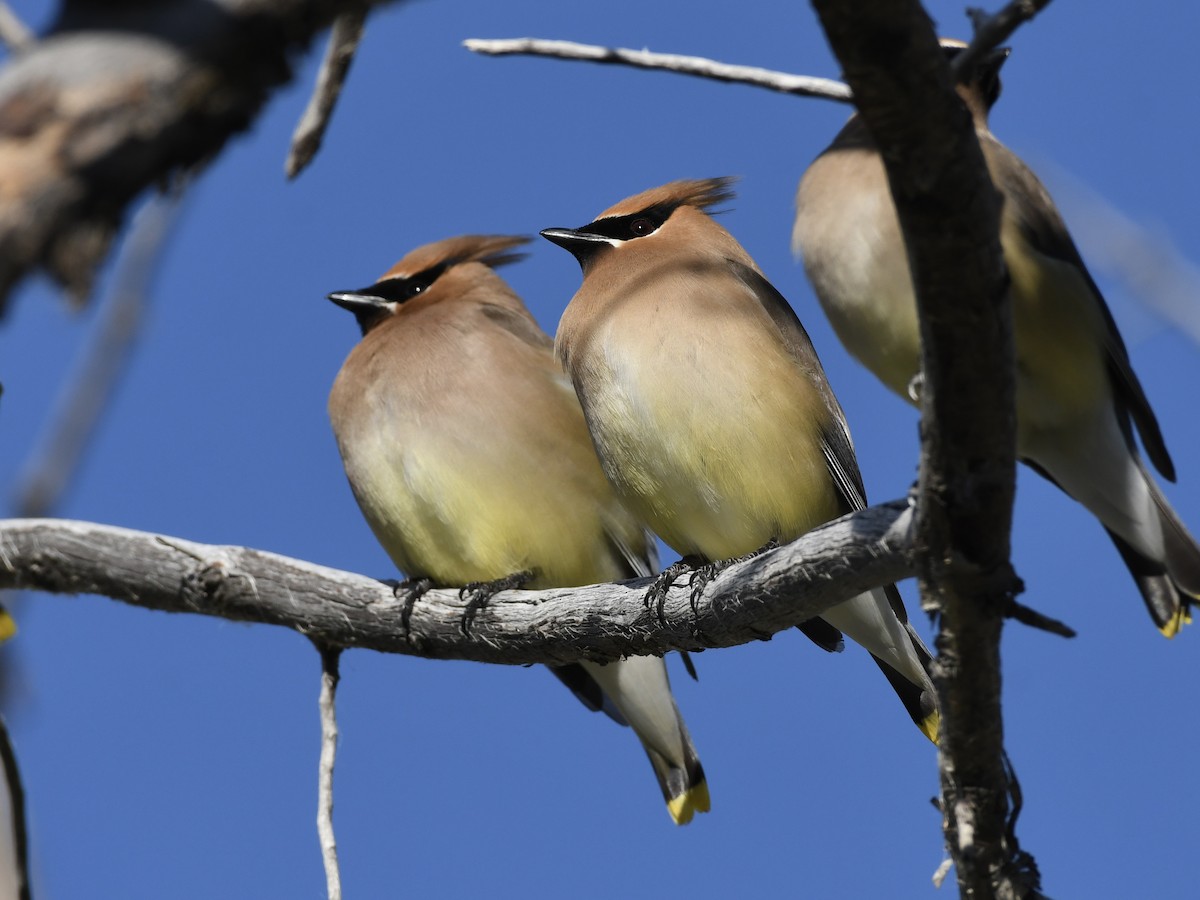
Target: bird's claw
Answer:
[[916, 387], [410, 590], [656, 596], [478, 594]]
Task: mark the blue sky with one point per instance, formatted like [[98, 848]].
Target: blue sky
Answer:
[[175, 756]]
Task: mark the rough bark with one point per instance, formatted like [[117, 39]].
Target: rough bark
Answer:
[[749, 601], [949, 212]]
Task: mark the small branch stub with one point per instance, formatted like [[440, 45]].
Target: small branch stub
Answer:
[[339, 54]]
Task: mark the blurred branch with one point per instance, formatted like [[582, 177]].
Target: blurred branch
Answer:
[[993, 30], [1145, 260], [55, 459], [800, 85], [118, 98], [14, 34], [950, 214], [327, 703], [746, 602], [339, 53]]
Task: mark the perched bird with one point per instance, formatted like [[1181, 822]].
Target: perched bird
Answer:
[[709, 408], [1077, 397], [469, 457]]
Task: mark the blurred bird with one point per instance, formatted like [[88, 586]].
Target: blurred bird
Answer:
[[1078, 399], [709, 408], [469, 457]]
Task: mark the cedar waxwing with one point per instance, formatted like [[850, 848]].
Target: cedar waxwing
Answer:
[[469, 457], [709, 408], [1077, 397]]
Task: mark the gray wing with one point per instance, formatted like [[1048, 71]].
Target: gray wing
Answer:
[[835, 441], [521, 326], [1042, 226]]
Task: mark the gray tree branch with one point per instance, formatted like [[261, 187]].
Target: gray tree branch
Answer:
[[117, 99], [339, 53], [87, 394], [749, 601], [14, 34], [800, 85]]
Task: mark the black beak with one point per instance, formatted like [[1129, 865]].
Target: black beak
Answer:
[[358, 301], [583, 245], [368, 308]]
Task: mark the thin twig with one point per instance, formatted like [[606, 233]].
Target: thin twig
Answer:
[[339, 53], [329, 737], [800, 85], [993, 30], [14, 33], [940, 873], [1019, 612], [55, 459], [16, 810]]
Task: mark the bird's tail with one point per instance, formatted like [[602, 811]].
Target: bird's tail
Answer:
[[1170, 586], [878, 622], [683, 786], [640, 691], [919, 700]]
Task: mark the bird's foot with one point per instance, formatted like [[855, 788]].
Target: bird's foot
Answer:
[[410, 590], [479, 593], [656, 597], [700, 580], [703, 575]]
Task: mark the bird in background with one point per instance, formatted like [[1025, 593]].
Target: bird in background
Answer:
[[709, 408], [468, 454], [1078, 400]]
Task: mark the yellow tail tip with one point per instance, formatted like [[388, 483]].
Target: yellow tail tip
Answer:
[[1173, 625], [929, 726], [695, 799], [8, 625]]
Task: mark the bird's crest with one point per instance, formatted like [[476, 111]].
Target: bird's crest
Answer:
[[701, 193], [488, 249]]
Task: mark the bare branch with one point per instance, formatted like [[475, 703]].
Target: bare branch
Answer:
[[329, 737], [746, 602], [993, 30], [950, 214], [799, 85], [16, 813], [339, 53], [55, 458], [14, 34], [120, 99]]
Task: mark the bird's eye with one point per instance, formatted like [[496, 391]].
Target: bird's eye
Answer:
[[642, 226]]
